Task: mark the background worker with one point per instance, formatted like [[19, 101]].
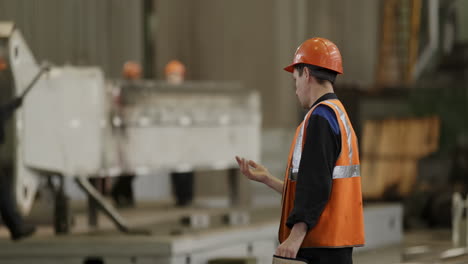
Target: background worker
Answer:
[[122, 189], [322, 215], [10, 215], [175, 72], [182, 182]]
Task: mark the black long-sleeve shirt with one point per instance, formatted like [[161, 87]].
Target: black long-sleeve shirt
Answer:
[[319, 155]]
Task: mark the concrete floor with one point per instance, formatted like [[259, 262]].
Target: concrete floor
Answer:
[[418, 246], [425, 246]]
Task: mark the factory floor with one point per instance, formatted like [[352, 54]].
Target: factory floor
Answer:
[[424, 246], [418, 246]]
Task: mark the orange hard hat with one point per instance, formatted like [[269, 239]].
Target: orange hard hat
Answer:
[[131, 70], [320, 52], [174, 66], [3, 64]]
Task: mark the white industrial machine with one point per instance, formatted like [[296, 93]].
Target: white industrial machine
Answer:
[[197, 125], [74, 123]]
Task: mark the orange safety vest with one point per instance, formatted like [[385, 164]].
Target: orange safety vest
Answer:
[[341, 223]]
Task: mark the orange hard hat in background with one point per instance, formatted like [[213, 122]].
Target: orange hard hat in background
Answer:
[[320, 52], [131, 70], [3, 64], [174, 66]]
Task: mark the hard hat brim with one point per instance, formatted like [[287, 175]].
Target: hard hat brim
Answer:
[[290, 68]]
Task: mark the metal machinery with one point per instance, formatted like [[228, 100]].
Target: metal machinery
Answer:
[[191, 126], [71, 125]]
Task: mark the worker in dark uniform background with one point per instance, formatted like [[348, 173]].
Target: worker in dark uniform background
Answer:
[[10, 215]]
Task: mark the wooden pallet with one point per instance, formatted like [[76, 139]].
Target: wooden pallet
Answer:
[[391, 150]]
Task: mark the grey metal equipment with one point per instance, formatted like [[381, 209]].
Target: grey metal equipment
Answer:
[[109, 210], [45, 67]]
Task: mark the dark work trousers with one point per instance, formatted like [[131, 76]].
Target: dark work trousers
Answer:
[[122, 191], [10, 216], [327, 255]]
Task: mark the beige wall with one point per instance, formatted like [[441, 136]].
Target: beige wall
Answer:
[[105, 33], [354, 26], [252, 40], [227, 40], [241, 40]]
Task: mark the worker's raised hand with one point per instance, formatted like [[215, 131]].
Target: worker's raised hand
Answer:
[[252, 170]]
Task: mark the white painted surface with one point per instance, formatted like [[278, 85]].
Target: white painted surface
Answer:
[[383, 225], [60, 123], [26, 182]]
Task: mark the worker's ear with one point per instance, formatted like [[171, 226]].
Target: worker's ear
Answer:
[[307, 74]]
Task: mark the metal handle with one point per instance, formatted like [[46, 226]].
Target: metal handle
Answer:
[[45, 67]]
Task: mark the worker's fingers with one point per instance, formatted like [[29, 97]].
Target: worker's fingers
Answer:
[[238, 161], [285, 250], [280, 252], [241, 162], [242, 165], [245, 166], [288, 253], [253, 164]]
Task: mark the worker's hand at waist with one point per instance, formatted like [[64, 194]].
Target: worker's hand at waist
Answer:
[[252, 170], [291, 245]]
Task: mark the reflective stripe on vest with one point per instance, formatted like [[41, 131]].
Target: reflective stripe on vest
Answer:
[[341, 172], [297, 154]]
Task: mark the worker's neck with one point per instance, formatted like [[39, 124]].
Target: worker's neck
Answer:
[[319, 91]]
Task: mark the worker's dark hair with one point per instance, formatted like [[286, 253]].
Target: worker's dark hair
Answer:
[[321, 74]]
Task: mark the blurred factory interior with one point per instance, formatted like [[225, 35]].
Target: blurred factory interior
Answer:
[[106, 112]]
